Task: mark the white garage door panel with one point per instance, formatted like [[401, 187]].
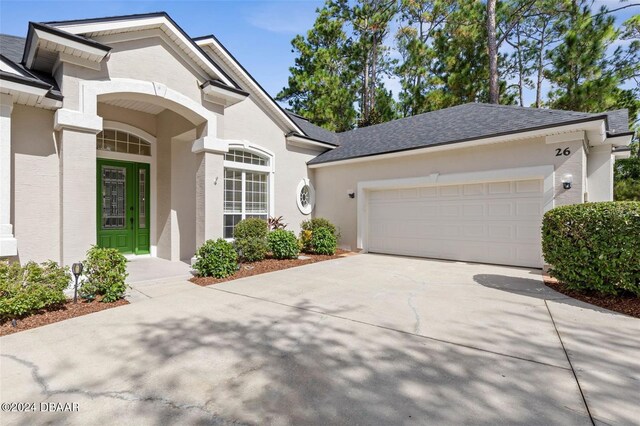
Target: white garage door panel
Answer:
[[497, 222]]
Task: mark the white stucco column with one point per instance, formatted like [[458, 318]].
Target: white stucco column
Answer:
[[209, 196], [209, 188], [600, 173], [8, 244], [77, 183]]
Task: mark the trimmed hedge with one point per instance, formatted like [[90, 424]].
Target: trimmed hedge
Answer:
[[283, 244], [251, 239], [324, 241], [308, 227], [216, 259], [29, 288], [594, 246], [105, 272]]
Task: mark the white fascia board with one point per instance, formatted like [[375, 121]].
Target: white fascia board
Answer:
[[93, 54], [597, 135], [136, 24], [12, 86], [513, 137], [622, 140], [619, 155], [308, 143], [248, 80], [220, 96]]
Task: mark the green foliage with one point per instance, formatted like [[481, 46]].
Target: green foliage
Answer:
[[627, 176], [251, 239], [308, 227], [323, 241], [105, 272], [216, 259], [29, 288], [594, 246], [321, 87], [283, 244], [586, 71]]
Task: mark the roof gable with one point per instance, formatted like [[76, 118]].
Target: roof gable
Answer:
[[215, 49], [112, 26]]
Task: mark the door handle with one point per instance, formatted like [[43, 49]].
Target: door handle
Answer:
[[131, 221]]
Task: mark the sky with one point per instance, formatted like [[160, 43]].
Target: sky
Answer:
[[258, 33]]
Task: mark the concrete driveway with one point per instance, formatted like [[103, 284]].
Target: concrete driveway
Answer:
[[362, 340]]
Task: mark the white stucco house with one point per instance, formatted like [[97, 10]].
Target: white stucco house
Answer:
[[126, 132]]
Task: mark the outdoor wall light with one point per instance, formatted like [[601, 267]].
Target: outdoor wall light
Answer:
[[567, 180], [76, 268]]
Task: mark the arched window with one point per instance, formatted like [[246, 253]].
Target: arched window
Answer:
[[124, 142], [246, 188]]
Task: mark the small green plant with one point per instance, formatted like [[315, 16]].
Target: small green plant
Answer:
[[216, 259], [105, 272], [283, 244], [594, 246], [29, 288], [251, 239], [323, 241], [308, 227]]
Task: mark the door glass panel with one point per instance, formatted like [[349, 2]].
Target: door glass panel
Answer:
[[142, 198], [114, 200]]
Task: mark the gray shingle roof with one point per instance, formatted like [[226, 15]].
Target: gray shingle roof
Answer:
[[12, 48], [457, 124], [311, 130]]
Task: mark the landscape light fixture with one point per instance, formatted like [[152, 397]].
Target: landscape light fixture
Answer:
[[76, 268]]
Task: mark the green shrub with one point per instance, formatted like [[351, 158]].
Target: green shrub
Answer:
[[309, 226], [594, 246], [105, 272], [216, 259], [324, 241], [29, 288], [283, 244], [251, 239]]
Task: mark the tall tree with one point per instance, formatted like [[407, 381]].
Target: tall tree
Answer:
[[492, 46], [587, 72], [420, 19], [322, 84], [370, 21]]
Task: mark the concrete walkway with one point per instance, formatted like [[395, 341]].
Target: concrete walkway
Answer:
[[151, 277], [361, 340]]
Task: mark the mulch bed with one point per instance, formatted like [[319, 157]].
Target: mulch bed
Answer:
[[268, 265], [55, 314], [628, 304]]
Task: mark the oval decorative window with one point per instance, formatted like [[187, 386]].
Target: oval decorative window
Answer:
[[305, 196]]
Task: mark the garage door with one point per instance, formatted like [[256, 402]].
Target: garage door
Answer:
[[494, 222]]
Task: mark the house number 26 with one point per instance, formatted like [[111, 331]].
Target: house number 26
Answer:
[[560, 152]]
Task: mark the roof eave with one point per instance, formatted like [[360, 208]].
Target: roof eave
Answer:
[[461, 143]]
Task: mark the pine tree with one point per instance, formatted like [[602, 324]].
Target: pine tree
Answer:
[[584, 75], [321, 87], [370, 21]]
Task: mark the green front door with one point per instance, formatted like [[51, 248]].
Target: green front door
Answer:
[[123, 206]]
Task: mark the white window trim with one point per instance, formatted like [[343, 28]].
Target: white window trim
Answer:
[[151, 160], [244, 167], [312, 194]]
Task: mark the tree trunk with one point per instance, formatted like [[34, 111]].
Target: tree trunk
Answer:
[[494, 95], [540, 71]]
